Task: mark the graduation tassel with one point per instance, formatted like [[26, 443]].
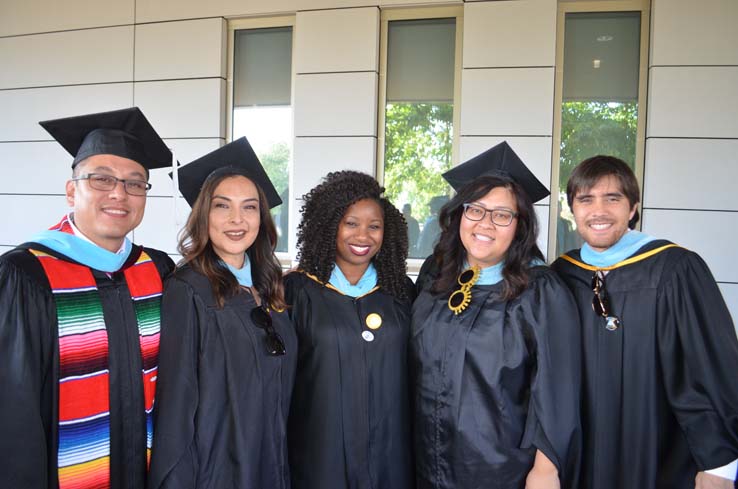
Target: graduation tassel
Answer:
[[175, 188]]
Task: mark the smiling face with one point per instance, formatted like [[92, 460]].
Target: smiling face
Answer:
[[106, 216], [233, 220], [359, 238], [602, 213], [486, 243]]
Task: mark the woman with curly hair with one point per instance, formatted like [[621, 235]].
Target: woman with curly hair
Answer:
[[495, 346], [228, 350], [349, 424]]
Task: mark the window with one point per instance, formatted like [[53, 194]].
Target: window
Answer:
[[262, 105], [601, 99], [420, 52]]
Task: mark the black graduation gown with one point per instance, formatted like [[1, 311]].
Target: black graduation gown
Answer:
[[29, 373], [349, 423], [495, 383], [222, 401], [660, 398]]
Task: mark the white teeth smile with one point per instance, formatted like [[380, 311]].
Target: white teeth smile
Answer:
[[600, 226], [482, 237], [359, 250], [116, 212], [235, 234]]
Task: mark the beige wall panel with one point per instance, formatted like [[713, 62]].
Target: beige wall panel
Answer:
[[184, 108], [412, 3], [521, 33], [542, 215], [187, 49], [22, 109], [33, 16], [158, 10], [316, 157], [712, 235], [730, 294], [334, 4], [507, 102], [185, 150], [336, 104], [535, 153], [691, 173], [65, 58], [162, 10], [693, 102], [337, 40], [39, 213], [686, 32], [34, 168], [159, 229]]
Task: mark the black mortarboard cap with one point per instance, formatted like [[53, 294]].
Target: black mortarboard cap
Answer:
[[499, 160], [125, 133], [237, 155]]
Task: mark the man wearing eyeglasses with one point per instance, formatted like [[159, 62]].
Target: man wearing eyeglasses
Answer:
[[79, 319], [660, 398]]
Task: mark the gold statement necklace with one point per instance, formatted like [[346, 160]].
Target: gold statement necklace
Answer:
[[461, 297]]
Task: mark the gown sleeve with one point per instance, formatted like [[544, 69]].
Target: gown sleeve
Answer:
[[174, 461], [553, 425], [699, 358], [27, 316], [427, 275]]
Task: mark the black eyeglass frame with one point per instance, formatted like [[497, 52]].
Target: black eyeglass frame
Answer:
[[468, 205], [274, 343], [95, 179]]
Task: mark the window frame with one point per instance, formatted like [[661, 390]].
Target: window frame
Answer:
[[286, 258], [388, 15], [576, 6]]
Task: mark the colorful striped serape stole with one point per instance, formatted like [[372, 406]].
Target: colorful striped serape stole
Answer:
[[84, 391]]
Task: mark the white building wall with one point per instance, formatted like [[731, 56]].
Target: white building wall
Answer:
[[169, 57], [507, 85], [691, 164]]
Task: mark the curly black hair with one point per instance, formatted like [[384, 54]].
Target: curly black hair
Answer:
[[324, 207]]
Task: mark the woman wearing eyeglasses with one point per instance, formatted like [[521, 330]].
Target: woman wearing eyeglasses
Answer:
[[349, 423], [494, 349], [228, 350]]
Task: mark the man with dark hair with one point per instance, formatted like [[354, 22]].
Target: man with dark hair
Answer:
[[660, 398], [79, 319]]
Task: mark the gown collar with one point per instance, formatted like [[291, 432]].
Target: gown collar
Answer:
[[492, 275], [365, 284], [628, 244], [73, 244], [243, 274]]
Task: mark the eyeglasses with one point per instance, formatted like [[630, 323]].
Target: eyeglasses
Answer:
[[274, 342], [100, 181], [601, 302], [499, 216]]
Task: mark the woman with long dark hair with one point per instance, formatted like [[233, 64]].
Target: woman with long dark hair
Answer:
[[228, 350], [349, 424], [494, 348]]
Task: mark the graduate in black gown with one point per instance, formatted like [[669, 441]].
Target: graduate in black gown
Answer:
[[349, 423], [494, 346], [76, 358], [228, 349], [660, 399]]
